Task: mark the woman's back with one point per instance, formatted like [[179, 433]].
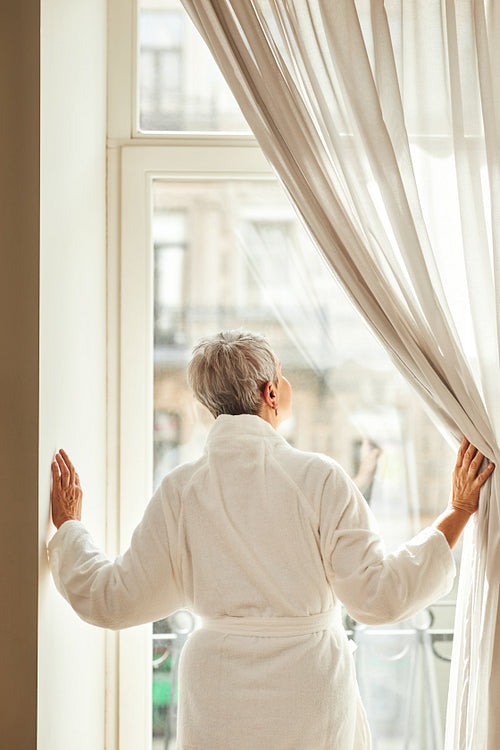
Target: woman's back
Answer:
[[249, 537], [261, 673]]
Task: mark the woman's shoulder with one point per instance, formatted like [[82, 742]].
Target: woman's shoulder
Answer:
[[311, 458], [182, 474], [319, 467]]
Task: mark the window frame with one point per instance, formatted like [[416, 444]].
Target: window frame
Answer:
[[123, 118]]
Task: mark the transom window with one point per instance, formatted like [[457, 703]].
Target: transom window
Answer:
[[180, 86]]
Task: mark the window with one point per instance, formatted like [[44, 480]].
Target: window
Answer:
[[180, 86], [170, 250], [204, 239], [161, 67]]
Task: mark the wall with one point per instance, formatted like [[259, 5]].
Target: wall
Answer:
[[19, 235], [71, 697]]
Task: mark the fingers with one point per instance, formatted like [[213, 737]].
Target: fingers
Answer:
[[483, 476], [476, 462], [461, 452], [70, 466], [469, 461], [63, 470], [66, 472], [469, 454], [467, 478], [66, 493], [469, 458], [55, 473]]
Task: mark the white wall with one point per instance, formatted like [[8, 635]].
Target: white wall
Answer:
[[71, 661]]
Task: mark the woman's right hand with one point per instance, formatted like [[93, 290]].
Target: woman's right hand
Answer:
[[66, 493], [467, 480]]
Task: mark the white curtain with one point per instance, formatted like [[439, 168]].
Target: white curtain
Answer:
[[382, 121], [289, 277]]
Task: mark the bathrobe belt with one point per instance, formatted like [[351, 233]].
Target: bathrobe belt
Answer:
[[272, 627]]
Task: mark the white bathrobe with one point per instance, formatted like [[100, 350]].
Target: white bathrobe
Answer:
[[263, 542]]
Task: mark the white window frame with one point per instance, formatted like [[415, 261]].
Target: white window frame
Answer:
[[123, 120], [135, 160]]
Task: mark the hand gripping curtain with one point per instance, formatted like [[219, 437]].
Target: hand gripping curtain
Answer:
[[382, 122]]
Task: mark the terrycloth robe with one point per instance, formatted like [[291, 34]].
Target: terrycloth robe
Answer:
[[259, 539]]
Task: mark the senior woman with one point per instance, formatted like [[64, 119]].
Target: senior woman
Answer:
[[263, 541]]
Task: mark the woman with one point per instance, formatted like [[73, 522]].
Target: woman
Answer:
[[263, 542]]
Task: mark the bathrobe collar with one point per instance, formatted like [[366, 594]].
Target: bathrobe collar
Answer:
[[231, 426]]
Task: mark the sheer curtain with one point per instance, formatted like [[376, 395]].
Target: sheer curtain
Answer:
[[289, 276], [382, 122]]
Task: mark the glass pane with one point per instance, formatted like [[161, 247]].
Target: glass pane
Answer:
[[180, 86], [231, 254]]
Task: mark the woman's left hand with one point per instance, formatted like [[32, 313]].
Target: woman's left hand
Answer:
[[66, 494], [467, 478]]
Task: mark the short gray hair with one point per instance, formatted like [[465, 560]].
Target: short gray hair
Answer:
[[228, 372]]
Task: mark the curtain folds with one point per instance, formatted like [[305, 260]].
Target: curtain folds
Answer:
[[382, 121]]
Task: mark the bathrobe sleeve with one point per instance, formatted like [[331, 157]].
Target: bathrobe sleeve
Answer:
[[376, 587], [140, 586]]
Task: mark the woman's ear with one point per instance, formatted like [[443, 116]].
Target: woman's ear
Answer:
[[270, 394]]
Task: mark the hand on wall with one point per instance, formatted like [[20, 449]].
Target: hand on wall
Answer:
[[66, 494]]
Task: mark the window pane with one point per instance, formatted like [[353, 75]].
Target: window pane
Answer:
[[180, 86], [231, 254]]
